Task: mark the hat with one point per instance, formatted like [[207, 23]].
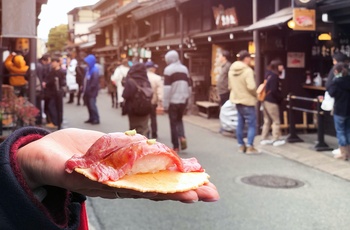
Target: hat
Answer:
[[151, 64], [339, 57], [243, 54]]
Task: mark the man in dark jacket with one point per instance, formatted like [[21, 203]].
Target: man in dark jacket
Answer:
[[42, 70], [222, 83], [137, 74], [91, 88], [53, 88]]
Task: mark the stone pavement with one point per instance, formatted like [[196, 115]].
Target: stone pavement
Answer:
[[302, 152]]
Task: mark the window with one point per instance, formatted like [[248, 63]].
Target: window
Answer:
[[170, 24]]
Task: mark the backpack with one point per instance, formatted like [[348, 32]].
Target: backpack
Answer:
[[140, 104], [261, 91]]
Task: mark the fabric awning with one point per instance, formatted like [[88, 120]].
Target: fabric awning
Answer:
[[274, 19]]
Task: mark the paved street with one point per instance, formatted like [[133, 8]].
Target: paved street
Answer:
[[321, 204]]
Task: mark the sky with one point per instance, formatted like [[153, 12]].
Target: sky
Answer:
[[55, 12]]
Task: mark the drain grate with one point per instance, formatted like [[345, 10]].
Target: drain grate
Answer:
[[272, 181]]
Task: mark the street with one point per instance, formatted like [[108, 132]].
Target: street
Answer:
[[320, 204]]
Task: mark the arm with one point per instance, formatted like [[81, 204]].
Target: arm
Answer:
[[250, 81]]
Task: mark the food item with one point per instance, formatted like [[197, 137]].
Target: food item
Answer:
[[130, 160]]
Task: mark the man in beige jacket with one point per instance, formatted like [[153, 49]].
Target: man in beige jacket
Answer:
[[243, 93], [157, 87]]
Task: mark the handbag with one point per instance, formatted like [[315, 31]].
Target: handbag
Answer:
[[328, 102]]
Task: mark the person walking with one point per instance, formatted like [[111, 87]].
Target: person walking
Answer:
[[54, 89], [91, 88], [157, 99], [71, 79], [42, 71], [136, 78], [271, 105], [80, 76], [111, 86], [243, 93], [118, 78], [177, 91], [222, 82], [339, 89]]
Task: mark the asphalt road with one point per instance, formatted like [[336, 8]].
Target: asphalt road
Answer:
[[321, 204]]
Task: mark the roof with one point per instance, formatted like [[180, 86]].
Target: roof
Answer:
[[218, 32], [106, 48], [164, 42], [87, 45], [103, 22], [272, 20], [155, 7], [128, 7]]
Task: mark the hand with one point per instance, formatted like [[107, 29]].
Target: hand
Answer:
[[42, 162]]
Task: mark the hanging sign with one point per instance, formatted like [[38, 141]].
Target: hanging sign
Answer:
[[304, 19], [225, 18]]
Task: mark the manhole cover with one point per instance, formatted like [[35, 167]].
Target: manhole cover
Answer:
[[272, 181]]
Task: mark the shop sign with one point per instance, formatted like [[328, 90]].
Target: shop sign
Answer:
[[304, 19], [225, 18], [295, 60]]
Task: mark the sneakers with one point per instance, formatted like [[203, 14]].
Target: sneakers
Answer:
[[51, 126], [272, 142], [336, 151], [279, 143], [183, 143], [252, 151], [242, 149], [266, 142]]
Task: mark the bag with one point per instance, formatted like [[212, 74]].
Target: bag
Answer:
[[261, 91], [328, 102], [140, 104]]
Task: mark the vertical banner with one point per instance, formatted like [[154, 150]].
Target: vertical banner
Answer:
[[19, 18], [215, 63]]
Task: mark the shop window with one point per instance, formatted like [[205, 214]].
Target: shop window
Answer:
[[107, 38]]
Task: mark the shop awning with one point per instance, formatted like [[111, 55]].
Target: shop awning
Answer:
[[275, 19], [165, 42]]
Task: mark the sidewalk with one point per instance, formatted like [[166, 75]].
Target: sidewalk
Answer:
[[302, 152]]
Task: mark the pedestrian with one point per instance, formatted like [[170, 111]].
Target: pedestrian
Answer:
[[72, 85], [36, 192], [42, 71], [111, 86], [157, 99], [54, 90], [118, 78], [271, 105], [177, 92], [222, 82], [80, 75], [336, 58], [243, 93], [136, 75], [339, 88], [91, 88]]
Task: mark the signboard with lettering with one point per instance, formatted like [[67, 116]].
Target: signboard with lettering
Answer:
[[225, 18], [295, 60], [304, 19]]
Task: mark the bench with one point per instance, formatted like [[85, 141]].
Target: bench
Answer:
[[208, 109]]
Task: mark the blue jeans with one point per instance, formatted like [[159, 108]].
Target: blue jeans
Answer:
[[92, 108], [342, 128], [246, 114], [176, 112]]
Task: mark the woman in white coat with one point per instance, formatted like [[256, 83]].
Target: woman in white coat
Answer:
[[71, 80], [118, 78]]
